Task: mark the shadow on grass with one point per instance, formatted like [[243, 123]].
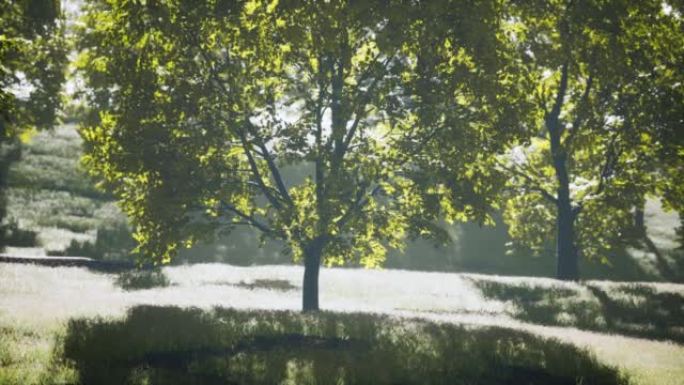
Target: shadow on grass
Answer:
[[629, 309], [268, 284], [168, 345], [141, 279]]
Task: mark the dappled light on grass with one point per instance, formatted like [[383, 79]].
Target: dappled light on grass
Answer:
[[168, 345], [629, 309], [45, 298]]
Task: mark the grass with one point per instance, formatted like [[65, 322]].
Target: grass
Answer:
[[627, 309], [142, 279], [30, 354], [169, 345], [268, 284], [44, 300]]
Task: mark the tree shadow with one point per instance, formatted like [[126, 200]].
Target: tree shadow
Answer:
[[628, 309], [168, 345]]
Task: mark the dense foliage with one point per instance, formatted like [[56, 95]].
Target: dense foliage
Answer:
[[32, 64], [344, 128], [608, 99], [33, 55], [201, 108]]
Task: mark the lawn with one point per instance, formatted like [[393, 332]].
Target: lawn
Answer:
[[213, 323]]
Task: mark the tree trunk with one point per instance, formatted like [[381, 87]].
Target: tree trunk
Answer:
[[10, 152], [566, 253], [567, 264], [312, 266]]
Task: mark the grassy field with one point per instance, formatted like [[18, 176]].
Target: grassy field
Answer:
[[59, 324]]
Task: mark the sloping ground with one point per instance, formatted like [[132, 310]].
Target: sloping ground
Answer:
[[42, 298], [50, 194]]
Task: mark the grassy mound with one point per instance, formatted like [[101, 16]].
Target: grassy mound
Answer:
[[168, 345]]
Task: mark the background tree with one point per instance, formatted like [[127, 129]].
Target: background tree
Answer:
[[32, 64], [608, 88], [201, 107]]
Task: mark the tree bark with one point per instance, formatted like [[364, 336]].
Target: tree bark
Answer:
[[566, 252], [312, 266], [567, 267]]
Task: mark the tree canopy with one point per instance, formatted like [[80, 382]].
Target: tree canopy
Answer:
[[402, 114], [608, 96], [33, 59], [201, 108]]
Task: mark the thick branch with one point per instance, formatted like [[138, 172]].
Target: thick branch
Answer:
[[362, 102], [553, 115]]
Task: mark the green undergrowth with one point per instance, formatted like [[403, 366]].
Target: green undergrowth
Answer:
[[168, 345]]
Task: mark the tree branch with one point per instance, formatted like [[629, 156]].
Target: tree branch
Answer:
[[275, 172], [554, 114], [251, 220], [361, 106], [532, 184], [359, 203], [255, 171], [579, 114]]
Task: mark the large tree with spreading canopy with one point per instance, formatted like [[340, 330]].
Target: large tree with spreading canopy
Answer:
[[199, 108]]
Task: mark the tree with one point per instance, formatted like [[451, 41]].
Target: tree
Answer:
[[199, 109], [32, 64], [608, 85]]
